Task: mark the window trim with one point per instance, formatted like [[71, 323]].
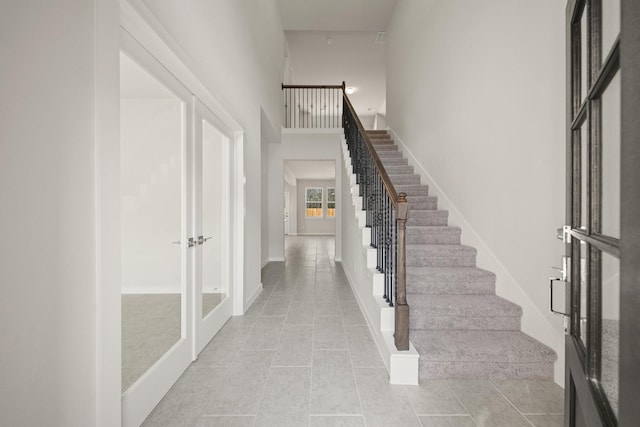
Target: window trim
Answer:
[[334, 203], [307, 201]]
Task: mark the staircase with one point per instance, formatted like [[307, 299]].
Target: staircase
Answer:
[[460, 328]]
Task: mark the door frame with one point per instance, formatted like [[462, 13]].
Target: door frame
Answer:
[[630, 219], [207, 327], [287, 216], [145, 393], [138, 23], [585, 363]]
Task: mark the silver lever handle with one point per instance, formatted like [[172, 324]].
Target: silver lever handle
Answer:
[[202, 239], [191, 242]]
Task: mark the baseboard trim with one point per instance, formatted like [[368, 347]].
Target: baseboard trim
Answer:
[[149, 291], [253, 298], [316, 234]]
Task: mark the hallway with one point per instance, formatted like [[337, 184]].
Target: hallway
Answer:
[[303, 356]]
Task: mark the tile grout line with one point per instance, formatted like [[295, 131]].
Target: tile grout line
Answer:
[[461, 404], [510, 402]]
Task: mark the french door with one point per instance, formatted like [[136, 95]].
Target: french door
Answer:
[[212, 207], [179, 173], [156, 243], [601, 238]]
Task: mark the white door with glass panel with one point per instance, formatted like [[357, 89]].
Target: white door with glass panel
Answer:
[[213, 164], [157, 336]]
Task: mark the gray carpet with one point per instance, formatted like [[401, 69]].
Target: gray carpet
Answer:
[[459, 326], [150, 327]]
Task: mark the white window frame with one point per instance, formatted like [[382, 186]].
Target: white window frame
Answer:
[[307, 201], [334, 203]]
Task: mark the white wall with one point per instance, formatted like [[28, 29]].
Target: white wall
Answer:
[[312, 226], [59, 84], [299, 144], [476, 92], [236, 49]]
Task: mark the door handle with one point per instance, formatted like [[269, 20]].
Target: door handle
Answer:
[[202, 239], [552, 280], [191, 242]]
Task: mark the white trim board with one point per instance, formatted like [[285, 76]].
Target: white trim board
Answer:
[[534, 323], [253, 298]]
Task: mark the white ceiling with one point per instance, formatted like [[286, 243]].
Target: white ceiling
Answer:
[[352, 55], [336, 15], [311, 169]]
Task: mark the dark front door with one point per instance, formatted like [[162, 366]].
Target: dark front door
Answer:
[[602, 233]]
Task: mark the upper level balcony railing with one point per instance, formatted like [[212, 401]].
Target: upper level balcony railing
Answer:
[[320, 107], [312, 107]]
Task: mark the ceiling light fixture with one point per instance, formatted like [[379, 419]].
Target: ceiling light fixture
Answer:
[[329, 40], [350, 90]]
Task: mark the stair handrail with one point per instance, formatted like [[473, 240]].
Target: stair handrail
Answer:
[[399, 203]]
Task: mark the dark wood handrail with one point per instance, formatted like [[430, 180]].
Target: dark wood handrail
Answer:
[[284, 86], [376, 160], [399, 202]]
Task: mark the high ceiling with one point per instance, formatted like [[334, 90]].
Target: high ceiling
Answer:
[[334, 40], [336, 15]]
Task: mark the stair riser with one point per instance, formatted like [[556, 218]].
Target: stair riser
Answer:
[[472, 323], [399, 180], [432, 239], [485, 370], [435, 219], [385, 147], [422, 261], [432, 206], [399, 170], [417, 285], [414, 190], [389, 154], [423, 193], [399, 161]]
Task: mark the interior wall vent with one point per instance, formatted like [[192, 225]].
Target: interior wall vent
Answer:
[[381, 37]]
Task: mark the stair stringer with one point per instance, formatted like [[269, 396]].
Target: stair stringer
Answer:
[[533, 322], [367, 285]]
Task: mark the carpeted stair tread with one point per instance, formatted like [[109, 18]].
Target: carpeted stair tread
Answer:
[[480, 346], [463, 305]]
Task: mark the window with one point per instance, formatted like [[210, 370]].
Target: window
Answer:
[[331, 202], [313, 202]]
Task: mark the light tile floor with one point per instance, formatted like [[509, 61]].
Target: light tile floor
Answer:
[[303, 356]]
